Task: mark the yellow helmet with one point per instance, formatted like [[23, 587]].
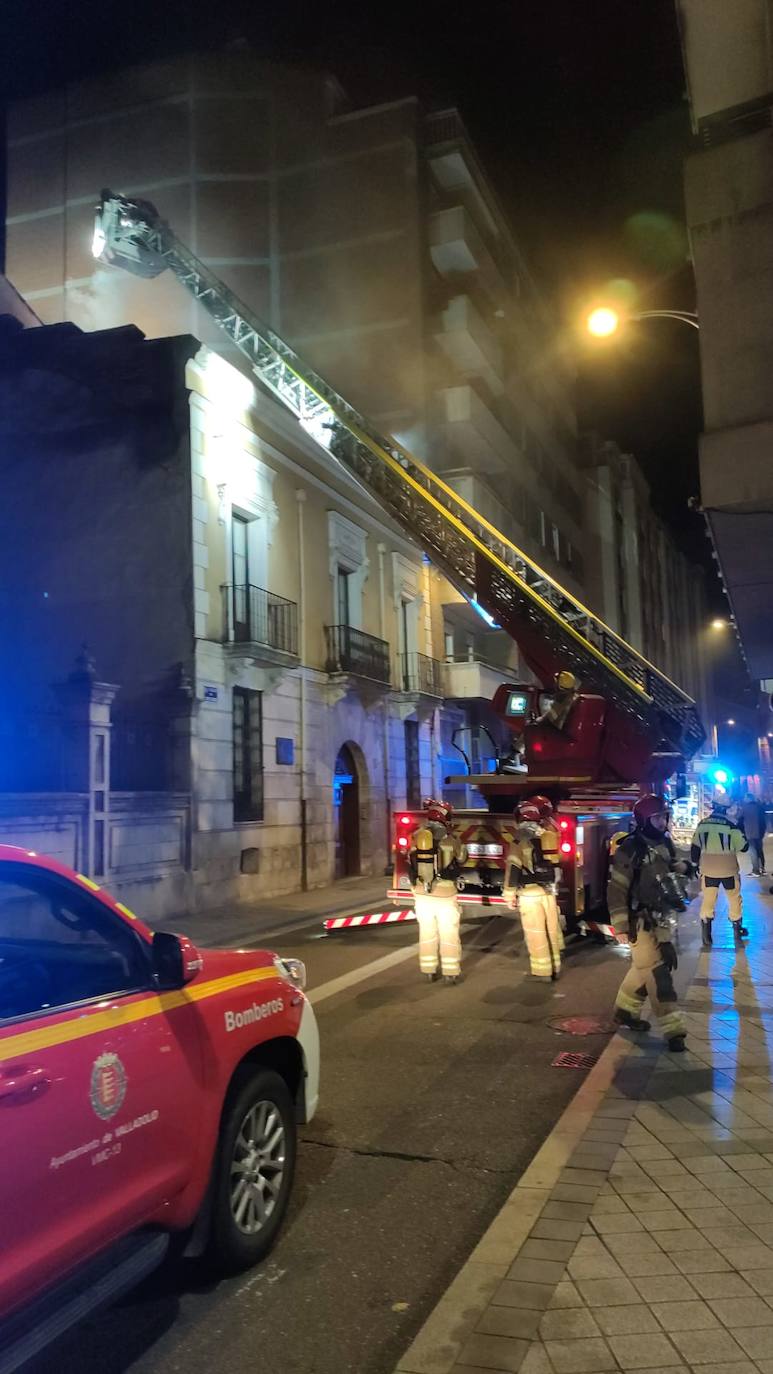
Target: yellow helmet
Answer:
[[565, 681]]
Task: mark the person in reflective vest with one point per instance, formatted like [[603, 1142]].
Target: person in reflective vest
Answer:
[[434, 860], [645, 883], [530, 884], [716, 844]]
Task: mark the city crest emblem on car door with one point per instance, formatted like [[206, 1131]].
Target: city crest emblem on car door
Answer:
[[108, 1085]]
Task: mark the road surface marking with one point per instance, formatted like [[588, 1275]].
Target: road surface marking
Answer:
[[358, 975]]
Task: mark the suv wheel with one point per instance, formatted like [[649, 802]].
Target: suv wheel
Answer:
[[254, 1170]]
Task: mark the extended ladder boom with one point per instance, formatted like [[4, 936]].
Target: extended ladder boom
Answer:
[[552, 628]]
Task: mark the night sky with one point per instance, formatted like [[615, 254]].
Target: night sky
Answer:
[[579, 113]]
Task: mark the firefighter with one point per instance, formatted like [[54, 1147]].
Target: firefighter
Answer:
[[434, 860], [530, 881], [566, 691], [716, 844], [644, 882], [550, 837]]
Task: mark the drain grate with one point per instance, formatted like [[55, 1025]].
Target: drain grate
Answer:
[[582, 1025], [573, 1059]]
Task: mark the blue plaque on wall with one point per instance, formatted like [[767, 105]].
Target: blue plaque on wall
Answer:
[[285, 750]]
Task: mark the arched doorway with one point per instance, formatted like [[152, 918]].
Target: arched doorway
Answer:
[[346, 815]]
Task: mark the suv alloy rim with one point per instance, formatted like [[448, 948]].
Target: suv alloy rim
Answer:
[[257, 1167]]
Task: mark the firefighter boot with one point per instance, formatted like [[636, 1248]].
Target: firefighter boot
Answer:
[[432, 977], [706, 932], [676, 1044], [634, 1023], [451, 979], [739, 932]]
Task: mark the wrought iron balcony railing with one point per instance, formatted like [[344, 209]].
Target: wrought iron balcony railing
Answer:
[[352, 651], [254, 616], [418, 673]]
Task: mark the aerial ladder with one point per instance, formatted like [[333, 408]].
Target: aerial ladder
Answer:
[[634, 725]]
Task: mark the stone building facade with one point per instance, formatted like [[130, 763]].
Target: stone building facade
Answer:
[[639, 581], [269, 649]]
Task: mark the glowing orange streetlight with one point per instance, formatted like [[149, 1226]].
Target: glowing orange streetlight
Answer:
[[603, 321]]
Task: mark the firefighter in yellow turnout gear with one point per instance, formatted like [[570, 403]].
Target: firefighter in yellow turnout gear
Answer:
[[434, 860], [530, 881], [644, 883], [715, 847]]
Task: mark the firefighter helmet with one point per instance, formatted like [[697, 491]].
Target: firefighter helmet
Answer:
[[438, 810], [649, 806], [528, 811], [565, 681], [544, 805], [616, 840]]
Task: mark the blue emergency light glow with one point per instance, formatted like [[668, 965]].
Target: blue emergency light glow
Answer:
[[484, 615], [721, 775]]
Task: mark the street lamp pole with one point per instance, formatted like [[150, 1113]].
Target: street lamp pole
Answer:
[[686, 316], [604, 320]]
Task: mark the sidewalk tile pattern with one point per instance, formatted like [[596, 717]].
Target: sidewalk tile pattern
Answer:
[[654, 1252]]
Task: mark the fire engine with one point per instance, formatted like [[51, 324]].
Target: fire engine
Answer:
[[627, 727]]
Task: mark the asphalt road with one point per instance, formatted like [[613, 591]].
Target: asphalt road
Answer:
[[434, 1099]]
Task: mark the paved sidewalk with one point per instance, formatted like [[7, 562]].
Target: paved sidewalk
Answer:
[[248, 921], [641, 1236]]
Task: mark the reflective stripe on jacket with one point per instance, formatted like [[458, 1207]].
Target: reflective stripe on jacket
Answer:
[[716, 845]]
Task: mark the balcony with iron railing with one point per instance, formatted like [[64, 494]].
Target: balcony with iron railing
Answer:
[[419, 674], [353, 651], [260, 619]]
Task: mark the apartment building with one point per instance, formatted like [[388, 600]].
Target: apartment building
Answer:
[[638, 580], [371, 239], [728, 58], [263, 645]]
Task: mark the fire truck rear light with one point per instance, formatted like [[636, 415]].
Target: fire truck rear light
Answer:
[[564, 825], [405, 820], [403, 841], [566, 848]]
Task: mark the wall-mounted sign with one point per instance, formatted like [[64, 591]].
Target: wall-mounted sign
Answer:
[[285, 750], [210, 693]]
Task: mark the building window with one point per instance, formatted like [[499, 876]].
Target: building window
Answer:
[[240, 569], [412, 766], [343, 607], [247, 754]]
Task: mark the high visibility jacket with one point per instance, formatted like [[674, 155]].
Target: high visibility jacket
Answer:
[[716, 845]]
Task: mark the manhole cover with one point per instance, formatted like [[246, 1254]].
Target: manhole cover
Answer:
[[572, 1059], [582, 1025]]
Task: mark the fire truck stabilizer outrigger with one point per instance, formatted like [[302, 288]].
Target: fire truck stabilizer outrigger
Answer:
[[628, 728]]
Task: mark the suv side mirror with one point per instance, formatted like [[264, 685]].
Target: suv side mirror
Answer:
[[176, 960]]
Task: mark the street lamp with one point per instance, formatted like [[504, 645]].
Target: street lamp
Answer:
[[604, 321], [730, 722], [719, 624]]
